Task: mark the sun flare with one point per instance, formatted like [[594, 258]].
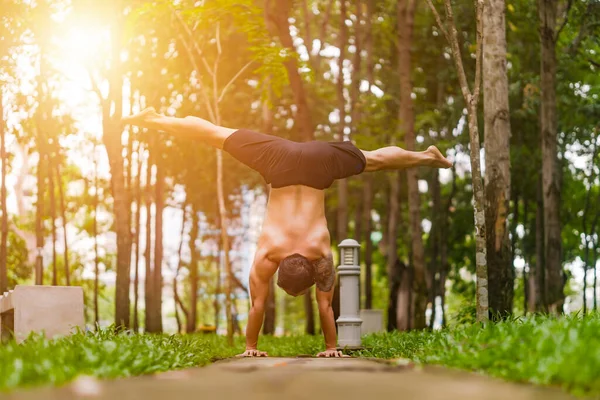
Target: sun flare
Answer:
[[82, 45]]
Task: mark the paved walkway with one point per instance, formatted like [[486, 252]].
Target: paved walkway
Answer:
[[298, 378]]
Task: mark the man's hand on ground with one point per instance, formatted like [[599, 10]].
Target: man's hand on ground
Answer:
[[253, 353], [332, 353]]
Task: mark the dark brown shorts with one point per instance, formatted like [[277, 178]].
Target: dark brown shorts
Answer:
[[283, 162]]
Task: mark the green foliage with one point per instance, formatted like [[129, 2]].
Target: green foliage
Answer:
[[18, 267]]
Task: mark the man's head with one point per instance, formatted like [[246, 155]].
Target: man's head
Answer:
[[296, 275]]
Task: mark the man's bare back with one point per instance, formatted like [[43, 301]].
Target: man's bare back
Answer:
[[295, 224]]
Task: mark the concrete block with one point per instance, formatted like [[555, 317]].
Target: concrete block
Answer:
[[53, 310], [372, 321]]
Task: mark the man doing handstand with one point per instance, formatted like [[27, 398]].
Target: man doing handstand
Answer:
[[294, 239]]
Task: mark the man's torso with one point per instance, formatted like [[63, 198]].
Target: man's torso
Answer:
[[295, 223]]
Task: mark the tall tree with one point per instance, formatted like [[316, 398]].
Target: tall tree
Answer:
[[136, 239], [193, 314], [342, 184], [588, 231], [471, 98], [95, 232], [108, 85], [52, 217], [150, 323], [63, 217], [497, 157], [277, 14], [406, 21], [310, 314], [548, 13], [270, 306], [368, 178], [158, 237], [3, 209], [41, 178]]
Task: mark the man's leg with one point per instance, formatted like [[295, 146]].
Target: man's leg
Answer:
[[189, 127], [394, 157]]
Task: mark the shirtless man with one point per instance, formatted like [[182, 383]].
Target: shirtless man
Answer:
[[294, 237]]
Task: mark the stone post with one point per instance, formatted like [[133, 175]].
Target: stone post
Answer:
[[349, 321]]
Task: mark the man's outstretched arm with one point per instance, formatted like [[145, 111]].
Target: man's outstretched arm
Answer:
[[262, 271]]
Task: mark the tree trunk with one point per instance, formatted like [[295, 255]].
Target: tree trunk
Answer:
[[149, 323], [435, 240], [158, 239], [480, 227], [179, 266], [269, 323], [39, 214], [342, 184], [550, 167], [406, 15], [193, 315], [137, 224], [444, 239], [471, 101], [584, 219], [392, 233], [368, 259], [277, 13], [225, 247], [368, 178], [216, 303], [497, 158], [63, 214], [594, 262], [537, 282], [112, 108], [310, 314], [405, 298], [270, 307], [52, 219], [394, 279], [96, 257], [3, 210]]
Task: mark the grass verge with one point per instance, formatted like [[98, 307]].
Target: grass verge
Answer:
[[561, 352], [547, 351]]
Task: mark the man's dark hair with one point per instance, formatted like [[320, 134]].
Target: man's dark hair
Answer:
[[295, 274]]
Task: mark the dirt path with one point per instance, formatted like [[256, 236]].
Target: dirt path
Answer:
[[298, 378]]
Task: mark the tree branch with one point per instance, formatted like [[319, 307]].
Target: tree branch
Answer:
[[95, 87], [240, 72], [322, 32], [478, 55], [186, 28], [453, 41], [197, 69], [438, 20], [566, 19]]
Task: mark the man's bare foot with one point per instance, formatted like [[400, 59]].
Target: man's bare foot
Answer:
[[147, 118], [438, 159]]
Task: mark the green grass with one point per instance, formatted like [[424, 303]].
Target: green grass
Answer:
[[563, 352]]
